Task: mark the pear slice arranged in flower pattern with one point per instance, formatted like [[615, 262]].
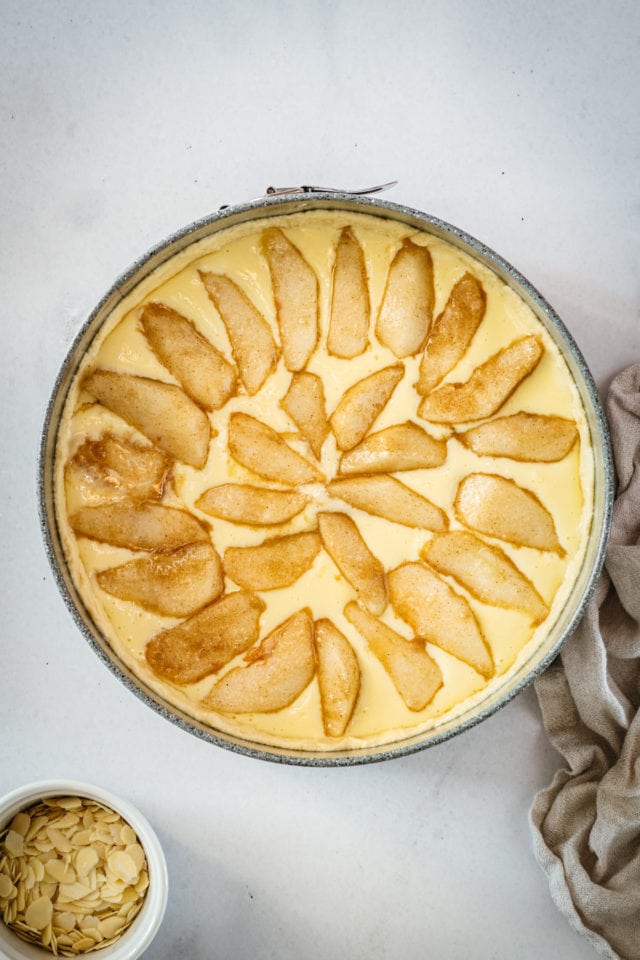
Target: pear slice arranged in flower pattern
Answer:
[[407, 305], [113, 469], [139, 526], [527, 437], [173, 584], [163, 412], [344, 543], [452, 332], [348, 334], [499, 507], [252, 343], [485, 571], [384, 496], [487, 389], [338, 677], [439, 615], [251, 506], [305, 403], [125, 493], [275, 563], [295, 291], [208, 640], [405, 446], [203, 372], [362, 404], [415, 675], [259, 448], [276, 672]]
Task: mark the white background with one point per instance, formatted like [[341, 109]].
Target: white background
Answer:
[[121, 122]]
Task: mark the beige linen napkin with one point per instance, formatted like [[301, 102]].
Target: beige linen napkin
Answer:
[[586, 824]]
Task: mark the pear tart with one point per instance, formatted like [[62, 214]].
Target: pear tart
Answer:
[[323, 480]]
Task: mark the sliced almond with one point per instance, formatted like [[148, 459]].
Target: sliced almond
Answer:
[[85, 860], [140, 526], [204, 373], [83, 944], [404, 446], [415, 675], [136, 853], [489, 386], [499, 507], [60, 871], [121, 865], [252, 506], [7, 889], [305, 403], [207, 640], [110, 926], [344, 544], [452, 332], [164, 413], [278, 562], [252, 343], [485, 571], [14, 843], [259, 448], [21, 823], [295, 290], [65, 921], [348, 334], [73, 891], [439, 615], [276, 673], [528, 437], [38, 914], [407, 305], [362, 404], [387, 497], [338, 677], [173, 584]]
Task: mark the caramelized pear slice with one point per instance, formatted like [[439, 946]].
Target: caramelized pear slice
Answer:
[[112, 469], [295, 290], [348, 334], [338, 677], [275, 675], [485, 571], [164, 413], [172, 584], [528, 437], [362, 403], [259, 448], [489, 386], [138, 526], [405, 446], [415, 675], [253, 506], [304, 402], [500, 508], [387, 497], [205, 375], [208, 640], [452, 332], [277, 562], [407, 305], [344, 544], [439, 615], [252, 343]]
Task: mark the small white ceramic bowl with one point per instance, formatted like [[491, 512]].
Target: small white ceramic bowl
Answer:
[[139, 935]]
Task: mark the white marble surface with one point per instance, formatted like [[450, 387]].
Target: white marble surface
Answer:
[[123, 121]]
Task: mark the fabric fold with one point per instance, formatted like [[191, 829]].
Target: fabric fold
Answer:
[[586, 823]]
